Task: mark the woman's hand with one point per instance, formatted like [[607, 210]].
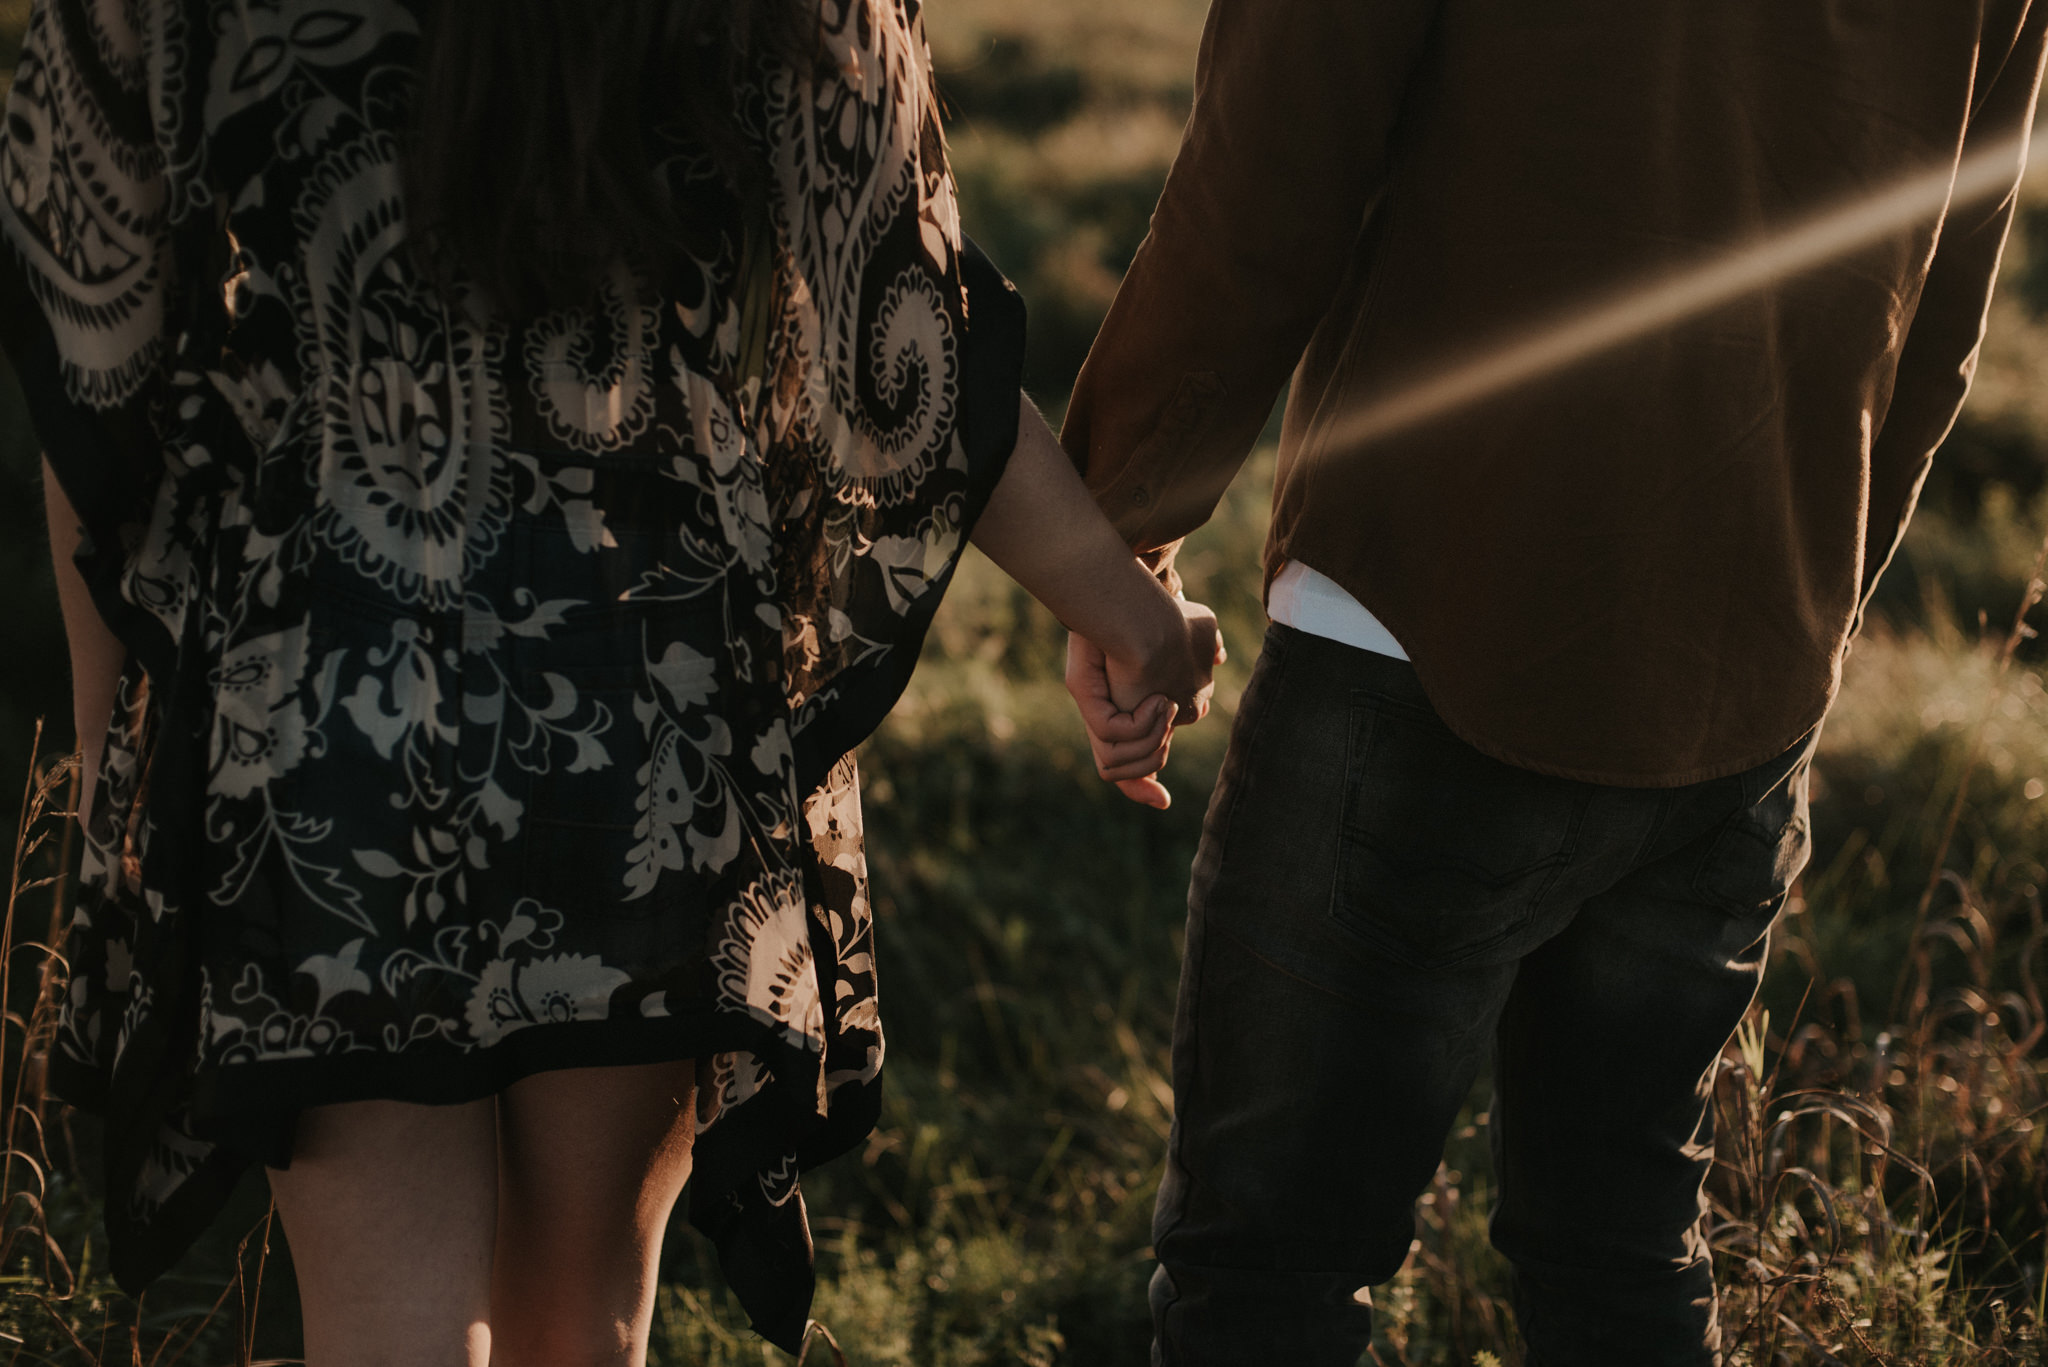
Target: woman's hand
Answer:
[[1131, 696], [1130, 638], [1179, 663]]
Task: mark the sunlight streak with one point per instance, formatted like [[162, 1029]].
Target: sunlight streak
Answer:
[[1673, 299]]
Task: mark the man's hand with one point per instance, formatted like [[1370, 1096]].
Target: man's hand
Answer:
[[1131, 707]]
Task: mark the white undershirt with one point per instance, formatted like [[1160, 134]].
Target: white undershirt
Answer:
[[1310, 602]]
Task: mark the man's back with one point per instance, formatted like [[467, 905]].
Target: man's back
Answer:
[[1620, 356]]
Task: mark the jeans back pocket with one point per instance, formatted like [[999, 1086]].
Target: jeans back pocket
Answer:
[[1444, 854], [1760, 850]]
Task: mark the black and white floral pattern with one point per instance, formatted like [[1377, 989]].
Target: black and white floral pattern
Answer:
[[491, 688]]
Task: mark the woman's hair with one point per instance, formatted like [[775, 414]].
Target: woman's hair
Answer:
[[539, 125]]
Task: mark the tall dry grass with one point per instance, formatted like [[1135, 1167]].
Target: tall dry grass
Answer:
[[58, 1304], [1881, 1195], [1885, 1199]]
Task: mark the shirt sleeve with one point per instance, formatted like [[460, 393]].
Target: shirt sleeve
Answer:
[[1295, 101], [85, 262], [1939, 357]]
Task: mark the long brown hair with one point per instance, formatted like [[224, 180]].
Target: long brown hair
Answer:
[[532, 169]]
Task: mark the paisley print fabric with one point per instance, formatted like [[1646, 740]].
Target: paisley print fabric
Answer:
[[491, 688]]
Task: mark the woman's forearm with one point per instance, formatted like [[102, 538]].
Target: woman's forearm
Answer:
[[1042, 528], [97, 656]]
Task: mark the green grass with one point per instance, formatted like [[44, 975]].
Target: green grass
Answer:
[[1029, 928], [13, 19], [1029, 933], [1030, 921]]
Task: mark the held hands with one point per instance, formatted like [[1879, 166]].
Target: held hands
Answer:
[[1136, 656], [1132, 697]]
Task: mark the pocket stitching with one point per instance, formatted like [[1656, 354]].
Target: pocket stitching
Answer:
[[1739, 827], [1357, 759]]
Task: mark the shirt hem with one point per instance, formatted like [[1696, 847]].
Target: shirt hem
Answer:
[[1610, 778], [1279, 551]]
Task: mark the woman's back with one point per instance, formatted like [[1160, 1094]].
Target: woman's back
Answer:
[[287, 126], [499, 675]]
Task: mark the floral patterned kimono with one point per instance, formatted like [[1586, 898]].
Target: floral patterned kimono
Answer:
[[490, 689]]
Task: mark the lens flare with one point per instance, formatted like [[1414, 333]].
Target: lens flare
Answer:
[[1658, 304]]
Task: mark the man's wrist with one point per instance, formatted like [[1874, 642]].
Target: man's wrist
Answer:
[[1160, 563]]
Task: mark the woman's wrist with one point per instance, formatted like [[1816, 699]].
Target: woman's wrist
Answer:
[[1144, 623]]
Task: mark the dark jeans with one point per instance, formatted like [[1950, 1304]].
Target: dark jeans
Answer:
[[1375, 902]]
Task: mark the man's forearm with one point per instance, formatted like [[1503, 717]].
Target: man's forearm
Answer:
[[1939, 358], [1288, 143]]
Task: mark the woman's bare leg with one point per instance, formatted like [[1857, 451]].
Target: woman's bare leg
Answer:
[[390, 1210], [590, 1163]]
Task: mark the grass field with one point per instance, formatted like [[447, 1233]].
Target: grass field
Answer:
[[1883, 1197]]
